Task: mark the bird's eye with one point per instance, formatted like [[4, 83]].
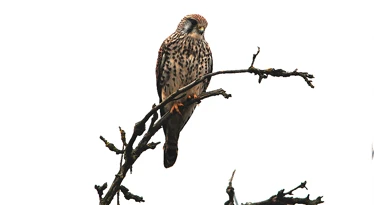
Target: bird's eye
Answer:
[[201, 29]]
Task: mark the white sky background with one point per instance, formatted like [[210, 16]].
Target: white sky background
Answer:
[[71, 71]]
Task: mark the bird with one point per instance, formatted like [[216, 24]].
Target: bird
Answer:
[[182, 58]]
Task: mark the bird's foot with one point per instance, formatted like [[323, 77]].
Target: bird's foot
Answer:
[[194, 96], [175, 107]]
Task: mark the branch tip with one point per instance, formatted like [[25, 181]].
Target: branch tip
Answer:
[[254, 57], [111, 146], [123, 136], [128, 195], [100, 189]]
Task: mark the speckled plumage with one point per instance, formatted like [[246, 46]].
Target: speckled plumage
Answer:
[[183, 57]]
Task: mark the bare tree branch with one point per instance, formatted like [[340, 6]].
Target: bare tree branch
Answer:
[[281, 199], [301, 186], [254, 57], [124, 143], [111, 146], [123, 137], [152, 130], [143, 145], [230, 191], [100, 189], [131, 154], [128, 195]]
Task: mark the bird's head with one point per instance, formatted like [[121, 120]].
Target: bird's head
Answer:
[[193, 25]]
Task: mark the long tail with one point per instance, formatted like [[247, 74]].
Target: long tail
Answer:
[[170, 151], [171, 129]]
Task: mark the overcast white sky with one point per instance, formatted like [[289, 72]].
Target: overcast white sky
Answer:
[[71, 71]]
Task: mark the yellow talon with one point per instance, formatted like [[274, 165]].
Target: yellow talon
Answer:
[[175, 107], [194, 96]]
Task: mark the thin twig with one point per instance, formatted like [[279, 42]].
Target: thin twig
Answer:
[[230, 191], [123, 139], [232, 176], [100, 189], [254, 57], [302, 186], [128, 195], [111, 146], [154, 118]]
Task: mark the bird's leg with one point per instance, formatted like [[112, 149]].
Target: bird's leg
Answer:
[[175, 107]]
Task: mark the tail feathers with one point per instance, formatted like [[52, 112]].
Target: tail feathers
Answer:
[[172, 130], [170, 154], [170, 151]]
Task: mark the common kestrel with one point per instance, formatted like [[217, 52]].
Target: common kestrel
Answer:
[[183, 57]]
